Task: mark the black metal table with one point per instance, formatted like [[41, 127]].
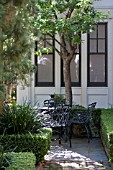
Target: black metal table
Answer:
[[61, 119]]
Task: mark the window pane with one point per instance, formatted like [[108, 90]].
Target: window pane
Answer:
[[93, 34], [44, 76], [97, 57], [75, 68], [93, 45], [101, 31], [101, 46], [97, 68], [45, 68]]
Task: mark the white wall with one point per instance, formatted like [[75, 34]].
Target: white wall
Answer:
[[103, 3]]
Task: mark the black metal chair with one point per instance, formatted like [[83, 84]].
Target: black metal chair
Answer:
[[49, 103], [83, 118], [58, 119], [92, 106]]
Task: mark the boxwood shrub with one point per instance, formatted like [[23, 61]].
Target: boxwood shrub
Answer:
[[107, 131], [21, 160], [38, 143], [96, 117]]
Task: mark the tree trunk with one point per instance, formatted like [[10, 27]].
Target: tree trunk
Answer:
[[67, 80]]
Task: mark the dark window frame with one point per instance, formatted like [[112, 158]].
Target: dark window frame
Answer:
[[73, 84], [98, 84], [45, 84]]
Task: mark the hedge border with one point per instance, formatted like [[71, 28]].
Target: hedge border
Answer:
[[38, 143]]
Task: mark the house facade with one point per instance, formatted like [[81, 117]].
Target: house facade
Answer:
[[91, 68]]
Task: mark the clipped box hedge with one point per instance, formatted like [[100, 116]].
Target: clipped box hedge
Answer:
[[107, 131], [21, 160], [38, 143]]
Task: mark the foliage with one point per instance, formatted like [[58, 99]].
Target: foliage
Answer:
[[97, 117], [70, 18], [59, 99], [21, 160], [38, 143], [67, 19], [4, 162], [18, 119], [2, 92], [16, 42], [107, 131], [107, 116]]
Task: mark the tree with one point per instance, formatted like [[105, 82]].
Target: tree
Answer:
[[16, 42], [69, 19]]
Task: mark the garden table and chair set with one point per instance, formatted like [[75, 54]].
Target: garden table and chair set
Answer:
[[61, 118]]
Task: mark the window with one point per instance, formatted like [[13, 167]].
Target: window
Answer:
[[44, 76], [75, 69], [97, 56]]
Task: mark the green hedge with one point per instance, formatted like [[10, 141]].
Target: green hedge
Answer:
[[21, 160], [38, 143], [107, 131], [96, 117]]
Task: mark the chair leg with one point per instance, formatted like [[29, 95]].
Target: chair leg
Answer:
[[69, 135], [70, 140], [88, 135], [89, 131], [59, 133], [65, 134]]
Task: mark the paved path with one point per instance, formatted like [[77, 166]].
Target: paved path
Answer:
[[82, 155]]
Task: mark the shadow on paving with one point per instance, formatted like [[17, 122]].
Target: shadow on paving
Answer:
[[82, 155]]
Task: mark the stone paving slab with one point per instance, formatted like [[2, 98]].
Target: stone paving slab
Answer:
[[82, 156]]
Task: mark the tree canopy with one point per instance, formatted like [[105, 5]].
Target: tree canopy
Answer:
[[68, 19], [16, 41]]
